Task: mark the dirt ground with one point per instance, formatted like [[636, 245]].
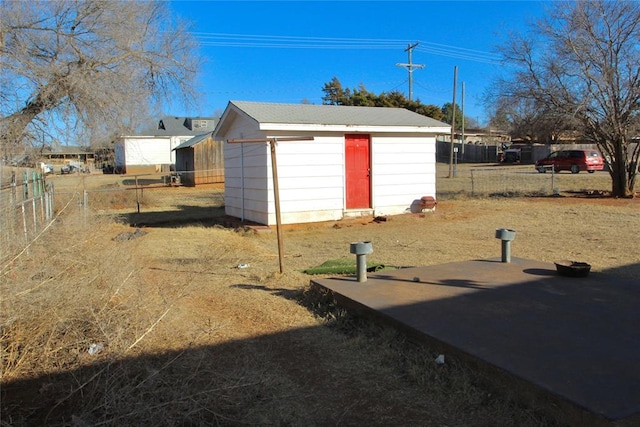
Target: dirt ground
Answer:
[[188, 337]]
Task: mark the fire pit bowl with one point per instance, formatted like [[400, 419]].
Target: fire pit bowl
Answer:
[[572, 268]]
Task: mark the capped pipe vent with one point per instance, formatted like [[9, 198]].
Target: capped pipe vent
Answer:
[[506, 236], [361, 250]]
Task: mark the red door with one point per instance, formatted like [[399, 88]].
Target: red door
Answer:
[[358, 171]]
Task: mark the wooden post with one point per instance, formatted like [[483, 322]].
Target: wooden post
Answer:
[[276, 190], [25, 186], [24, 224], [453, 122], [137, 198], [276, 196]]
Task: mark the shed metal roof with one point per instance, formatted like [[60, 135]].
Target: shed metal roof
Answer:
[[193, 141], [264, 112]]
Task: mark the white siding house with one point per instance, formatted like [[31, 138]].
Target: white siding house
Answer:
[[153, 150], [361, 161]]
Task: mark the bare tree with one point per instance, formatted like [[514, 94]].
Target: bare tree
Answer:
[[524, 119], [89, 66], [583, 63]]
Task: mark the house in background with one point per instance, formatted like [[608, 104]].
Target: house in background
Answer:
[[153, 150], [200, 160], [362, 161], [66, 153]]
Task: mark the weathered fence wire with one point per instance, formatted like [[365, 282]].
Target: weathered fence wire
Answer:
[[510, 181], [26, 208], [516, 180], [29, 203]]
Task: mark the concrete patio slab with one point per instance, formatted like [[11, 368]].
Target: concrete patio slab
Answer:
[[576, 340]]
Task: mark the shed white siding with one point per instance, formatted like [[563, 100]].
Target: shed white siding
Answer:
[[311, 180], [245, 173], [311, 177], [147, 151], [312, 174], [403, 171]]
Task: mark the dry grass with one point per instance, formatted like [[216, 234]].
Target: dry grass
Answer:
[[190, 339]]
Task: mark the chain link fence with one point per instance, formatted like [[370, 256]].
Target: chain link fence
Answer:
[[28, 204], [154, 199], [507, 181], [26, 208], [480, 180]]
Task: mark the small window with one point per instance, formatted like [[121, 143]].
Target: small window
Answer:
[[198, 124]]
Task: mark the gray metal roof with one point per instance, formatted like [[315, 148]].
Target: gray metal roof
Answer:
[[179, 126], [264, 112], [193, 141]]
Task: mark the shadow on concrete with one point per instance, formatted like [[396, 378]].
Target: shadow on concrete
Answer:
[[572, 343]]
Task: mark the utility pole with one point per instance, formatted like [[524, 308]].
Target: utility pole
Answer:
[[453, 122], [462, 102], [410, 66]]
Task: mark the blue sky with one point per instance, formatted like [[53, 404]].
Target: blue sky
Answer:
[[285, 51]]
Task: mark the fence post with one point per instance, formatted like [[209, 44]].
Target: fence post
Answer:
[[52, 191], [35, 215], [38, 192], [25, 186], [86, 206], [137, 199], [43, 206], [34, 179], [472, 185], [24, 224], [13, 188], [47, 212]]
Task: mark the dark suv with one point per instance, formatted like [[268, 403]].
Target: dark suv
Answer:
[[572, 160]]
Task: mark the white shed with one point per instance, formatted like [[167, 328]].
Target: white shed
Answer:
[[362, 161], [153, 149]]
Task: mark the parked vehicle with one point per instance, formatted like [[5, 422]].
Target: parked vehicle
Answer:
[[72, 167], [67, 169], [572, 160], [512, 155], [46, 168]]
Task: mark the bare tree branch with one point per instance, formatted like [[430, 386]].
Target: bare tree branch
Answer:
[[582, 64], [95, 61]]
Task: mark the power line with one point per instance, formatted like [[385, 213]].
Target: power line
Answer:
[[270, 41], [486, 58], [302, 42], [275, 37]]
